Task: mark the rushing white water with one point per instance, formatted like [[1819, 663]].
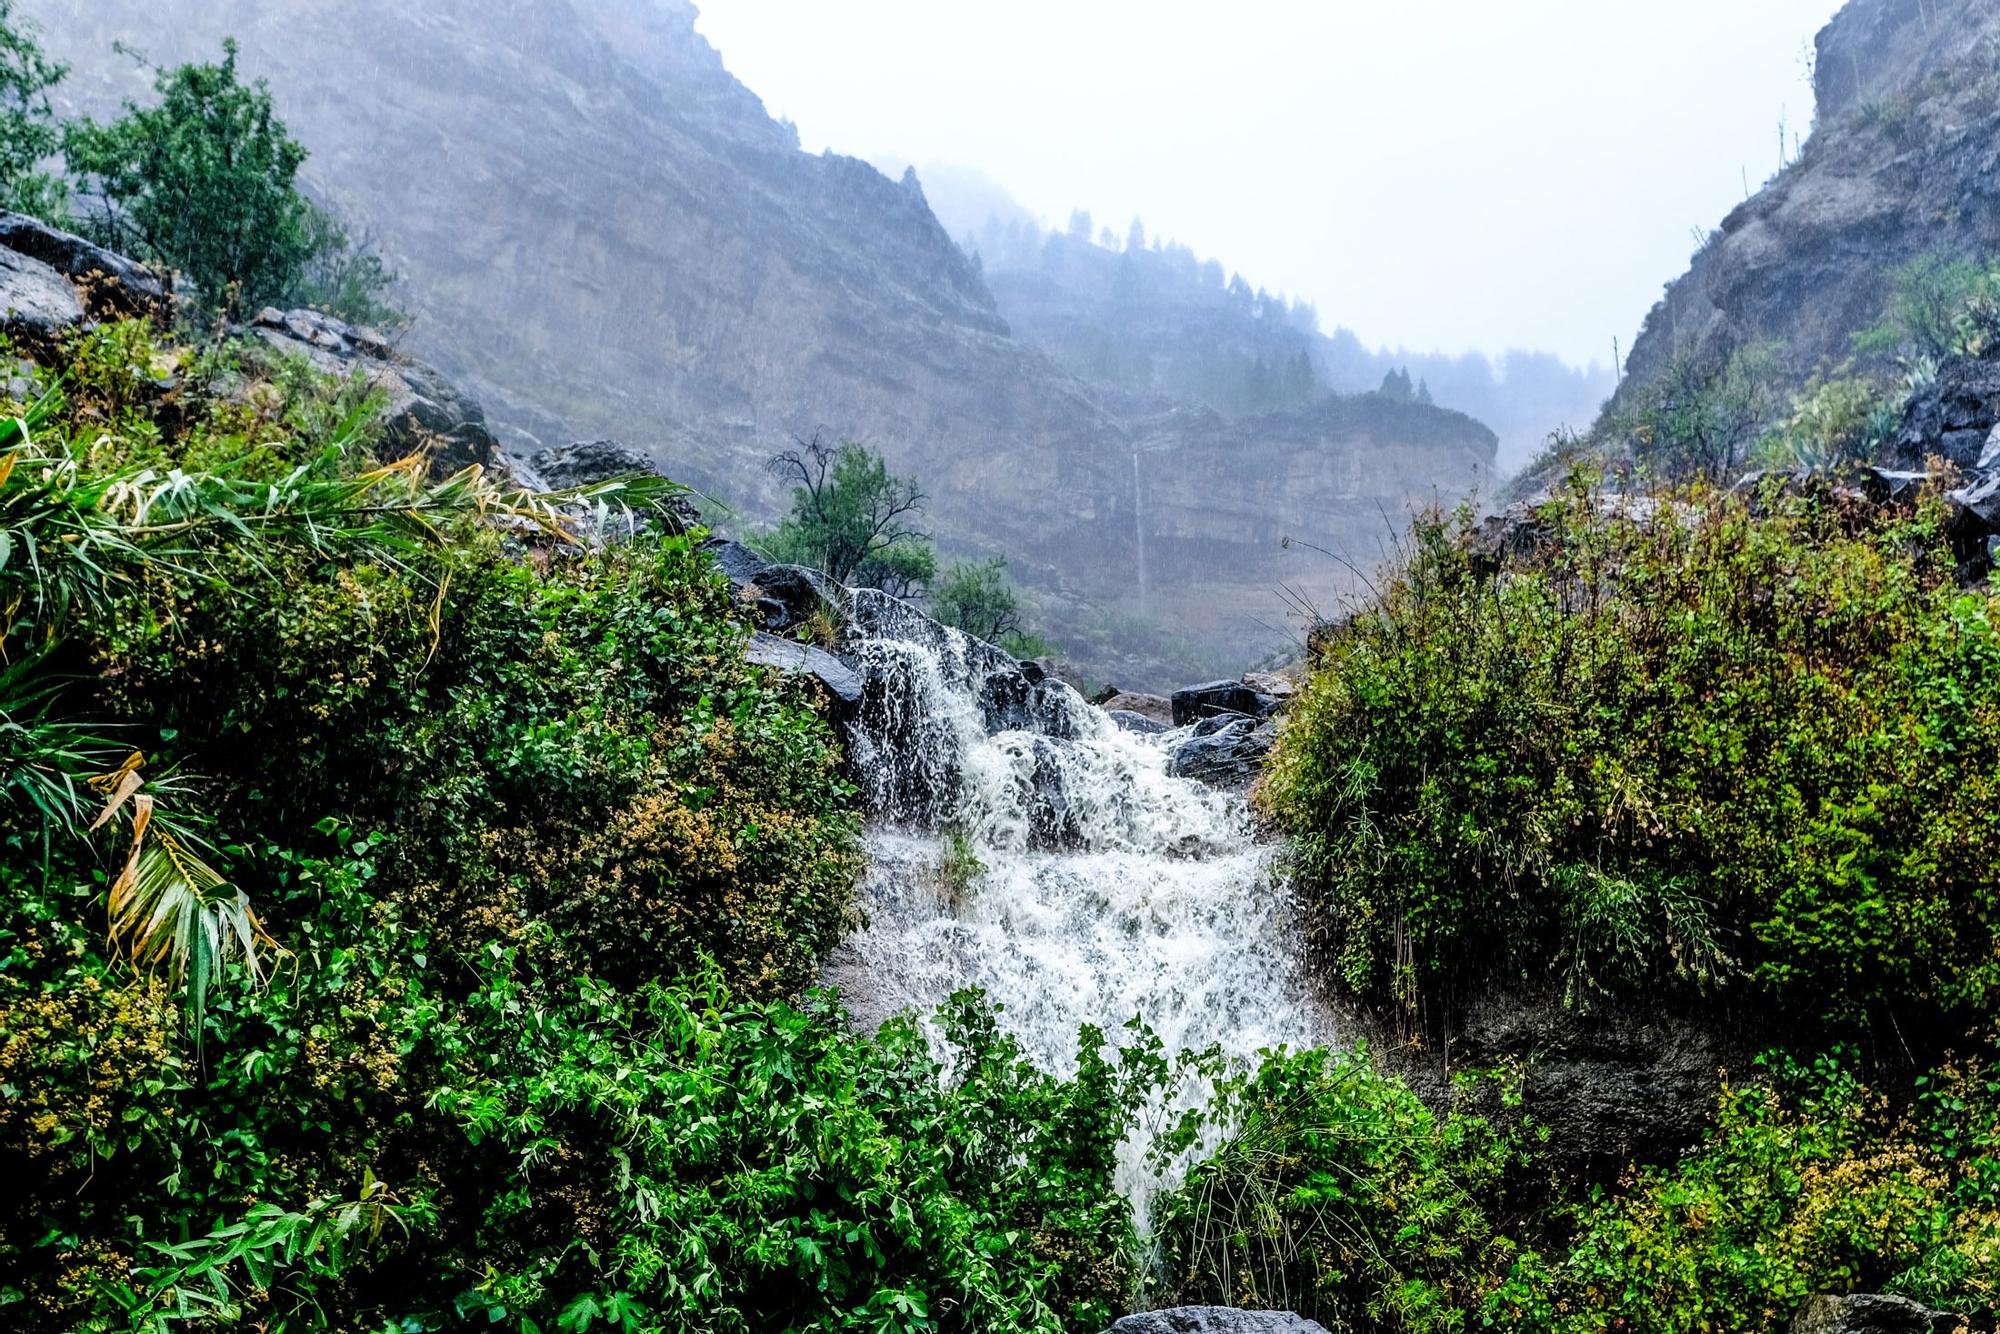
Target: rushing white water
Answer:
[[1109, 888]]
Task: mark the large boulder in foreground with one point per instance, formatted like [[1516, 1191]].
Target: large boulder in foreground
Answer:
[[1219, 697], [1214, 1320], [53, 282], [423, 411], [1868, 1313], [1224, 751]]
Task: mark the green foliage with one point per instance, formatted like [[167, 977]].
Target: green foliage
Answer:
[[1835, 421], [206, 182], [344, 279], [1701, 415], [976, 597], [28, 132], [852, 518], [1737, 743], [1930, 300], [1807, 1184], [1337, 1193]]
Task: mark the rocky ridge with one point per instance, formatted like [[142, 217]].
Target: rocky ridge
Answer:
[[1904, 159], [646, 253]]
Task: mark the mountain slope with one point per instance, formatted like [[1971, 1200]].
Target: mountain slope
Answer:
[[603, 233], [1904, 160]]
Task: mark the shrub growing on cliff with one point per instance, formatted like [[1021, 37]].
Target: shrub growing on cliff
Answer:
[[1745, 744], [204, 182]]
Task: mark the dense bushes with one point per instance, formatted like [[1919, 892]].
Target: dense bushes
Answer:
[[532, 860], [1337, 1193], [1746, 744], [1807, 1184]]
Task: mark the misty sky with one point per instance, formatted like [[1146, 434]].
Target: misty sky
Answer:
[[1436, 173]]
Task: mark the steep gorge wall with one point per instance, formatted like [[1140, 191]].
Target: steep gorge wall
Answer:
[[604, 234], [1904, 159]]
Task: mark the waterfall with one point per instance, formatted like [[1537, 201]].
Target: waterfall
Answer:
[[1109, 888], [1139, 530]]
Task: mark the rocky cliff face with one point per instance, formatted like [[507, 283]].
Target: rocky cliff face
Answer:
[[1904, 159], [604, 234]]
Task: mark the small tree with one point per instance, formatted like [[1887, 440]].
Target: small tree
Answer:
[[852, 518], [205, 182], [28, 132], [342, 278], [976, 597]]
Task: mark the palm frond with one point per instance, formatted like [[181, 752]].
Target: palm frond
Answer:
[[169, 908]]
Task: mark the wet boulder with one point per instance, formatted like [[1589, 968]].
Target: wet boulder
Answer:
[[422, 410], [1219, 697], [587, 462], [843, 685], [1214, 1320], [1227, 753], [1157, 707], [1127, 721], [1869, 1313], [52, 281]]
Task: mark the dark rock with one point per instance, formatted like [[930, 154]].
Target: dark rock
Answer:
[[1214, 1320], [1008, 700], [587, 462], [1214, 697], [37, 304], [1614, 1081], [1135, 722], [1952, 417], [843, 684], [1229, 756], [791, 595], [737, 562], [52, 282], [1868, 1313], [1157, 707], [1891, 486], [423, 410]]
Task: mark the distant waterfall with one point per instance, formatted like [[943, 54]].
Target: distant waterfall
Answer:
[[1110, 888], [1139, 529]]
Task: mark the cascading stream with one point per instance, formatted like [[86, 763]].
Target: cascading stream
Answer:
[[1108, 887]]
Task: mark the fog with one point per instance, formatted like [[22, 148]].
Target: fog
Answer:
[[1432, 174]]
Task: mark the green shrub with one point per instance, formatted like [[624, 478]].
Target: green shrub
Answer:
[[1806, 1185], [1746, 744], [1337, 1193]]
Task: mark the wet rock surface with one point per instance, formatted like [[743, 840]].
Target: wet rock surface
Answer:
[[842, 683], [1219, 697], [1869, 1313], [422, 409], [52, 281], [1214, 1320], [1224, 752]]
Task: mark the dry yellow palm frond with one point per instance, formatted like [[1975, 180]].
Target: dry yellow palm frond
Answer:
[[167, 907]]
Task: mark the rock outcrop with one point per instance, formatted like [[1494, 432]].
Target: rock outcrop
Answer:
[[1904, 159], [421, 410], [1864, 1313], [1214, 1320], [52, 282]]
